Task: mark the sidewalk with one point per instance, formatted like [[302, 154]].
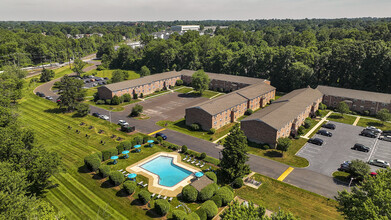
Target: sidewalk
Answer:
[[317, 125]]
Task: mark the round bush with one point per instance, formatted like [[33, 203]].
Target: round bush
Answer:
[[145, 140], [92, 162], [206, 193], [266, 147], [202, 156], [307, 123], [218, 200], [144, 196], [116, 177], [201, 214], [104, 171], [178, 215], [98, 154], [120, 148], [113, 151], [162, 207], [100, 102], [193, 216], [249, 112], [184, 149], [211, 176], [195, 127], [212, 131], [210, 209], [130, 186], [226, 195], [237, 183], [189, 193]]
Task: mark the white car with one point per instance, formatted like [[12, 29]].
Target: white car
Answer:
[[123, 123], [380, 163], [105, 117], [385, 138], [374, 129]]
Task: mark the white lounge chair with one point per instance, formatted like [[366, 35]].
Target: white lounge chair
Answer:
[[189, 159], [170, 199], [202, 165], [124, 171], [158, 196], [165, 197], [120, 170], [145, 185], [198, 163], [193, 161], [185, 158], [153, 195], [140, 183]]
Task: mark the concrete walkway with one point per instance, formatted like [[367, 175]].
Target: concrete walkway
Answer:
[[356, 121], [317, 125], [221, 138]]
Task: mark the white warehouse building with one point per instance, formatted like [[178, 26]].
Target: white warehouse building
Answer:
[[185, 28]]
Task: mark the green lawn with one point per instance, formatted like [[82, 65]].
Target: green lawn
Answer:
[[109, 73], [184, 90], [313, 123], [273, 195], [114, 108], [288, 157], [341, 176], [364, 122], [181, 126], [347, 119]]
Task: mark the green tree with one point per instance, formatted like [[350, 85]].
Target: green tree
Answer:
[[369, 200], [283, 144], [281, 215], [144, 71], [136, 110], [46, 75], [383, 115], [358, 169], [200, 81], [162, 207], [82, 109], [233, 163], [115, 100], [342, 108], [78, 66], [236, 211], [71, 92]]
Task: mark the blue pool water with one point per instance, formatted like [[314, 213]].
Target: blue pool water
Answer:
[[169, 173]]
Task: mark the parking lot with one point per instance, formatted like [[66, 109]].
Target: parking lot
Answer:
[[92, 81], [327, 158]]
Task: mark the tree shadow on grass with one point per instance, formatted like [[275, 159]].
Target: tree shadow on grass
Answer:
[[189, 95], [122, 193], [136, 202], [83, 169], [55, 110], [106, 184], [273, 153], [96, 176], [335, 116], [375, 124], [152, 214]]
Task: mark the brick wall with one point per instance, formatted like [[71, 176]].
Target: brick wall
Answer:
[[196, 115], [356, 105], [105, 93], [259, 132]]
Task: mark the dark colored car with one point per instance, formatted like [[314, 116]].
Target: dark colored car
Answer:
[[368, 133], [96, 114], [161, 135], [316, 141], [106, 78], [385, 133], [325, 133], [40, 94], [361, 147], [329, 126]]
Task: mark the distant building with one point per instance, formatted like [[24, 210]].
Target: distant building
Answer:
[[185, 28]]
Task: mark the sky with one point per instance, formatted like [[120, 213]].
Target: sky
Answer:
[[169, 10]]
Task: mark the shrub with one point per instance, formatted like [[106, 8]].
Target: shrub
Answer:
[[139, 140], [206, 193], [115, 100], [300, 131], [106, 154], [126, 97], [92, 162], [120, 148], [211, 176], [113, 151], [179, 82], [226, 195], [322, 106], [194, 127], [178, 215], [100, 102], [317, 113], [136, 110], [237, 183], [201, 214], [189, 193], [116, 177], [217, 200], [212, 131], [193, 216], [249, 112], [159, 139], [162, 207], [144, 196], [104, 171], [130, 186], [307, 123], [210, 209], [366, 112], [135, 96], [108, 101], [98, 154], [141, 95], [266, 147], [145, 140], [202, 156], [184, 149]]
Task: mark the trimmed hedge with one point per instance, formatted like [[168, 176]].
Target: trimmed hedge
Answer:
[[211, 176], [98, 154], [207, 192], [138, 140], [144, 196], [237, 183], [116, 177], [218, 200], [162, 207], [201, 214], [145, 140], [184, 149], [127, 145], [202, 156], [92, 162], [194, 127], [120, 148], [226, 195], [104, 171], [193, 216], [130, 186], [189, 193], [210, 209], [178, 215]]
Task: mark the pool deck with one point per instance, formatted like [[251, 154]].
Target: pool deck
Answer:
[[153, 179]]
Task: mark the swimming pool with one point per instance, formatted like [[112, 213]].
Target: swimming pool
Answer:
[[169, 173]]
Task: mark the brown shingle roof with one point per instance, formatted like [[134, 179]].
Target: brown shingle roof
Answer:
[[287, 108], [226, 77], [355, 94], [253, 91], [221, 103], [201, 183]]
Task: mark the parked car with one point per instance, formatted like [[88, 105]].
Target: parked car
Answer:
[[128, 129], [379, 163], [40, 94], [98, 79], [329, 126], [368, 133], [388, 132], [94, 84], [161, 135], [345, 166], [374, 129], [96, 114], [123, 123], [325, 133], [316, 141], [385, 137], [49, 98], [58, 100], [87, 81], [106, 78], [361, 147], [105, 117]]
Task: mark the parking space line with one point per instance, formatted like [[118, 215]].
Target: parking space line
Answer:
[[285, 174], [156, 131], [356, 121], [373, 149]]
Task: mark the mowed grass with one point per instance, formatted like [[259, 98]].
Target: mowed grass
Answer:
[[273, 195], [184, 90], [109, 73], [364, 122], [338, 117]]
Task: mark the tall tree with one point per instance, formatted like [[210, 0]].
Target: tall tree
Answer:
[[233, 164], [358, 169], [46, 75], [145, 71], [342, 108], [71, 92], [200, 81], [78, 66], [283, 144], [236, 211], [383, 115]]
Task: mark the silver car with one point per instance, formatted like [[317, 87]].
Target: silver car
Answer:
[[105, 117], [123, 123], [380, 163], [385, 138]]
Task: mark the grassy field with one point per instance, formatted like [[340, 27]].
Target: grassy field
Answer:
[[181, 126], [113, 108], [313, 123], [364, 122], [341, 176], [109, 73], [184, 90], [347, 119], [273, 194], [288, 157]]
